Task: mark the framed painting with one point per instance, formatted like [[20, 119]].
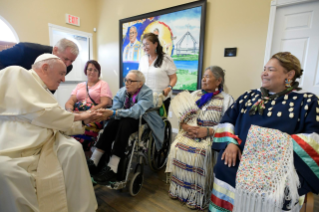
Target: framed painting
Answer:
[[180, 30]]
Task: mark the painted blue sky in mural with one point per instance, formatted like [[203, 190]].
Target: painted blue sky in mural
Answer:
[[182, 21]]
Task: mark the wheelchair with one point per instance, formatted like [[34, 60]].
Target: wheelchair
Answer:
[[142, 150]]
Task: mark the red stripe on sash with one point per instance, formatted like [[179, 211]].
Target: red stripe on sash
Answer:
[[228, 134], [221, 203], [308, 149]]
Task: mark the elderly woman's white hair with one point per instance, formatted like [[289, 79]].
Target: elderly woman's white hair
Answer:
[[65, 43], [218, 72], [139, 75]]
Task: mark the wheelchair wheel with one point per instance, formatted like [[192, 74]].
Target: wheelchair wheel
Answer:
[[136, 184], [158, 159]]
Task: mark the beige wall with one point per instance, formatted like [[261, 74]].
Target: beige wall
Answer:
[[30, 18], [229, 23]]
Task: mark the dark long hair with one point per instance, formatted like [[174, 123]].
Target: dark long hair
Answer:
[[159, 49], [93, 62]]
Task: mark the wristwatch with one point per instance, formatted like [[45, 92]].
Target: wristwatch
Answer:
[[170, 87]]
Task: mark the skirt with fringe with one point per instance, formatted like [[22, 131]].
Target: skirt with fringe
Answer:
[[190, 163]]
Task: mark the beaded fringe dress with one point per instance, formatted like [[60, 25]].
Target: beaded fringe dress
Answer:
[[191, 160]]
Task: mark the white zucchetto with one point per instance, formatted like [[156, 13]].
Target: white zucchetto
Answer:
[[45, 56]]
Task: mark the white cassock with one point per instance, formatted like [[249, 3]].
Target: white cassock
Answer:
[[41, 168]]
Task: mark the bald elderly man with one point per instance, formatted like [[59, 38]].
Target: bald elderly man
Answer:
[[41, 169]]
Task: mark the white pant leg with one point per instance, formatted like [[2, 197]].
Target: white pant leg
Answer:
[[17, 185], [79, 188]]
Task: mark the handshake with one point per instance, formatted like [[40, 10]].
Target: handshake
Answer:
[[93, 115]]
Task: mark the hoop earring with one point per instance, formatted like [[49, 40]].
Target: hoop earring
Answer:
[[156, 51], [288, 83]]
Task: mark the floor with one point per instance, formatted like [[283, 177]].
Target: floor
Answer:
[[152, 197]]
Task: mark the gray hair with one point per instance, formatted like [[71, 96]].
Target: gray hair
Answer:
[[65, 43], [218, 72], [139, 75], [50, 62]]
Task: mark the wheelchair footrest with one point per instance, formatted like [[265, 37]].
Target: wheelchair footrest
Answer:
[[117, 185]]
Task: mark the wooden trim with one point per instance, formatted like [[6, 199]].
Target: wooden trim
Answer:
[[308, 205], [6, 45]]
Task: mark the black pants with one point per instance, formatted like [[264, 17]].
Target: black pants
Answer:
[[167, 102], [118, 131]]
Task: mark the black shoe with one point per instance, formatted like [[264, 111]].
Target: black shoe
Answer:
[[105, 176], [92, 167]]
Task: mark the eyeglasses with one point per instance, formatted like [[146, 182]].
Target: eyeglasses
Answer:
[[91, 69], [145, 44], [128, 81]]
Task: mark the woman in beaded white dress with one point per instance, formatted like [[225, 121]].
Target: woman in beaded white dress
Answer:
[[190, 161]]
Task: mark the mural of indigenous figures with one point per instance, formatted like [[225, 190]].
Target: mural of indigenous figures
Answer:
[[180, 31]]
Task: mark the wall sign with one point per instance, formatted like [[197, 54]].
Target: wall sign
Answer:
[[230, 52], [73, 20]]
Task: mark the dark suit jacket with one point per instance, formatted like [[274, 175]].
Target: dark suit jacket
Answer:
[[24, 55]]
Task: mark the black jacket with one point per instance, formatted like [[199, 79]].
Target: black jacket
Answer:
[[24, 55]]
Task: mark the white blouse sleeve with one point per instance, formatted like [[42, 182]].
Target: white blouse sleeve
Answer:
[[170, 66]]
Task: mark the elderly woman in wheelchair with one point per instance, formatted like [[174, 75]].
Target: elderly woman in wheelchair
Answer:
[[129, 104]]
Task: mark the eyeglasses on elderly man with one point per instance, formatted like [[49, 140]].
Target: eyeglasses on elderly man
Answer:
[[129, 81]]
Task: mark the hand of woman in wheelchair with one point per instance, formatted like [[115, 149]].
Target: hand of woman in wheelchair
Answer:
[[94, 109], [89, 117], [106, 113]]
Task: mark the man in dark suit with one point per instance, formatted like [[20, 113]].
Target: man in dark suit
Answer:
[[24, 54]]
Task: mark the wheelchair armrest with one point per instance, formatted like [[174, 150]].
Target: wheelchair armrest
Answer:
[[148, 111], [152, 109]]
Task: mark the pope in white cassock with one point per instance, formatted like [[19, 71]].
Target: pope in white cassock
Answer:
[[41, 168]]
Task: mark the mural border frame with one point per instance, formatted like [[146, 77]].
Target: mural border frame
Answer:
[[201, 3]]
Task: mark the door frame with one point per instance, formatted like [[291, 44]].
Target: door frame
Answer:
[[271, 23], [72, 31]]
